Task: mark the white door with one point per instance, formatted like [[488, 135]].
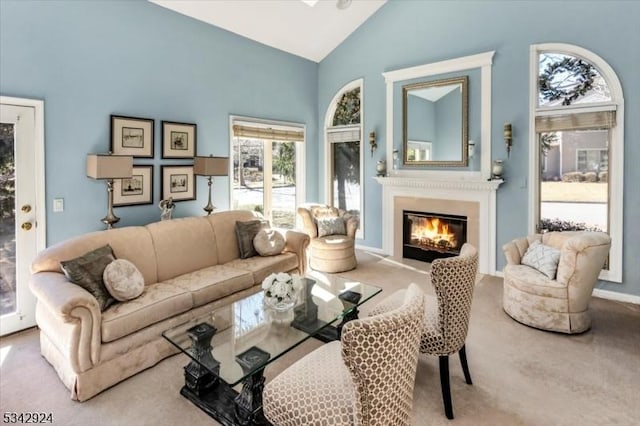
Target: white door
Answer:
[[21, 214]]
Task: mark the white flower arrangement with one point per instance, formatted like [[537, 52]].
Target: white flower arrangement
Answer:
[[282, 286]]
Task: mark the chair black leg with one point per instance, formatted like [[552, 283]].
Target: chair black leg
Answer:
[[465, 367], [444, 384]]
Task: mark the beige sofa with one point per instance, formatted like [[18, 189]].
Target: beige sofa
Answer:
[[189, 266]]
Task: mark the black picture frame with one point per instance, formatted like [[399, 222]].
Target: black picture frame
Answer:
[[132, 136], [178, 183], [179, 140], [134, 191]]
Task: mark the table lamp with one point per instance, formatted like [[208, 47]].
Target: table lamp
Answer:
[[109, 167], [210, 166]]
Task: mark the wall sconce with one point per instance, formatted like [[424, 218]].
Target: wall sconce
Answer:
[[372, 142], [109, 167], [507, 137], [472, 148]]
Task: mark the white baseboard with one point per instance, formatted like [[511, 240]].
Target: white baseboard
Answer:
[[371, 249], [618, 297], [499, 274]]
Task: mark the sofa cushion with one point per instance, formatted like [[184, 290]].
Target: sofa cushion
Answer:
[[158, 302], [182, 246], [261, 267], [132, 243], [87, 270], [123, 280], [223, 224], [269, 242], [212, 283], [532, 281]]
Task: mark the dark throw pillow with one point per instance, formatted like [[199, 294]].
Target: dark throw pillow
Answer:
[[245, 233], [86, 271]]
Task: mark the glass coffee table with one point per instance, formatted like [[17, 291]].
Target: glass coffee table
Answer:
[[232, 344]]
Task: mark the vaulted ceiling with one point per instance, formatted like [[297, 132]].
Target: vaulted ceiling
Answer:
[[307, 28]]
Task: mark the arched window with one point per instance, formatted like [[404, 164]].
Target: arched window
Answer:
[[577, 147], [343, 152]]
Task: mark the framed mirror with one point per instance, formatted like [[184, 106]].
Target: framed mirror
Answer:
[[435, 123]]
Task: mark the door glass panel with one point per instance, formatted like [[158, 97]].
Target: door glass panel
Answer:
[[574, 188], [283, 176], [7, 220], [248, 174], [346, 176]]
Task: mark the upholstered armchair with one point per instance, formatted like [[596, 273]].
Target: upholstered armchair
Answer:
[[446, 323], [366, 379], [332, 232], [558, 300]]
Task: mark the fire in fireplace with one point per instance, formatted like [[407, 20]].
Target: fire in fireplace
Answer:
[[429, 236]]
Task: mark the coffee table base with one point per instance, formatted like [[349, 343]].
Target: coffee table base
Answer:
[[219, 402]]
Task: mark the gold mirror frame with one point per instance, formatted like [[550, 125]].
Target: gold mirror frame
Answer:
[[463, 81]]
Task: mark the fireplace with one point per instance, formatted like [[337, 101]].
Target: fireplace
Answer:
[[430, 236]]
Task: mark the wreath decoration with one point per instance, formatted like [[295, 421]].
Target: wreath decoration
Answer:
[[583, 72]]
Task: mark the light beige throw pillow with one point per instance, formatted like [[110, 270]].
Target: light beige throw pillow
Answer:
[[123, 280], [268, 242]]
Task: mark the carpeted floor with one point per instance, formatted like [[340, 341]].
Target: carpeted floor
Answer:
[[521, 376]]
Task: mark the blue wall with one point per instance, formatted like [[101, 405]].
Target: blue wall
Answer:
[[403, 34], [90, 59]]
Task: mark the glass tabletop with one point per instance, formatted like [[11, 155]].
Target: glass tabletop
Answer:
[[248, 335]]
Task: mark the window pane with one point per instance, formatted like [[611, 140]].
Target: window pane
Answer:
[[248, 182], [284, 185], [348, 109], [346, 176], [567, 80], [574, 185], [7, 220]]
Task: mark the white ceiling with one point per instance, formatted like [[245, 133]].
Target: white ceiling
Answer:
[[290, 25], [433, 94]]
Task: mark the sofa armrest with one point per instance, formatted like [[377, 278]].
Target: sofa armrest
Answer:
[[514, 250], [308, 224], [69, 304], [581, 259], [297, 242]]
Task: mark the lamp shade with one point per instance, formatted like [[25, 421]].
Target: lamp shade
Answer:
[[105, 166], [211, 166]]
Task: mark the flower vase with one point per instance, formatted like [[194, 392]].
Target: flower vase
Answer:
[[282, 305]]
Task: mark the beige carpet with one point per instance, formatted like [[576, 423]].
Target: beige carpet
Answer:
[[521, 376]]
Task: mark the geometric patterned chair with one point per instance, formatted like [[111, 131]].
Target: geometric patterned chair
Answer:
[[447, 315], [367, 378], [334, 252], [561, 303]]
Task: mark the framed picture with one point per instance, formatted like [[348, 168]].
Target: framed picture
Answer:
[[132, 136], [178, 183], [178, 140], [138, 189]]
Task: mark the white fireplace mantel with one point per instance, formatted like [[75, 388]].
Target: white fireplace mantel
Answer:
[[482, 192]]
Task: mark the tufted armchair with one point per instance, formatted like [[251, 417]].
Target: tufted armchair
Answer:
[[334, 252], [447, 315], [560, 303], [366, 379]]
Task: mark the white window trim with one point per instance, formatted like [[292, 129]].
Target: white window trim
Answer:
[[301, 177], [328, 123], [616, 155]]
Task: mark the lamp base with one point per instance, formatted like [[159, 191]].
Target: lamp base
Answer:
[[110, 218], [209, 208]]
